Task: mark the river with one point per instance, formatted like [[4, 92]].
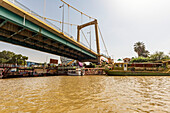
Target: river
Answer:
[[85, 94]]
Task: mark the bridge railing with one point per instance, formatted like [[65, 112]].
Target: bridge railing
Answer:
[[87, 46], [15, 2]]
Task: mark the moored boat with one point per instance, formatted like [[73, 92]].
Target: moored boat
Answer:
[[136, 73], [1, 74], [76, 72]]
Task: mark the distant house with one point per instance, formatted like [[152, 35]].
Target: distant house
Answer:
[[126, 60]]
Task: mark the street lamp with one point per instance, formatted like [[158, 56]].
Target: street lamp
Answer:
[[44, 10], [63, 18]]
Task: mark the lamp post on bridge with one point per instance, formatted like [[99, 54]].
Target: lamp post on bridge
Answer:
[[44, 9], [62, 18]]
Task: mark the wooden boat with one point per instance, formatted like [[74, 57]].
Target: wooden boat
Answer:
[[136, 73]]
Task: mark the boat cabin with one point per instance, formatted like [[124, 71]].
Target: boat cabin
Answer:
[[120, 66]]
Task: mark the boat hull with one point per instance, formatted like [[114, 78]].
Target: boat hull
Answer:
[[124, 73]]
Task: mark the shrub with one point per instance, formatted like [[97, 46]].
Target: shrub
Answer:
[[140, 59]]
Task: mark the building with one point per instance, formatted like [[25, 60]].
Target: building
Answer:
[[126, 60]]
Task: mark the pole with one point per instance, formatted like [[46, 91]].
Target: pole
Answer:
[[44, 9], [63, 20], [90, 40], [68, 19]]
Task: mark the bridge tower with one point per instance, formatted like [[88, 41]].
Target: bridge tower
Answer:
[[79, 27]]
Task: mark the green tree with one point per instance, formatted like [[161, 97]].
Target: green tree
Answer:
[[3, 60], [140, 59], [158, 55], [139, 48], [6, 56], [12, 58], [18, 59], [145, 53], [24, 58], [166, 57]]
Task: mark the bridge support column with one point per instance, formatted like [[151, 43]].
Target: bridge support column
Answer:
[[97, 37], [78, 34], [98, 59]]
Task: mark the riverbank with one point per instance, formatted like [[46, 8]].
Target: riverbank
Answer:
[[135, 73]]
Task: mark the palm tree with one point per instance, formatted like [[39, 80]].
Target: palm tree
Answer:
[[139, 47]]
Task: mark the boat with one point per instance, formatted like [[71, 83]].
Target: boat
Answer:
[[135, 73], [1, 75], [76, 72]]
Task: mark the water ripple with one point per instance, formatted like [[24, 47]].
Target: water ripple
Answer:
[[87, 94]]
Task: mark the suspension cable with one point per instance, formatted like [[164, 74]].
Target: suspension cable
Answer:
[[90, 33], [85, 37], [60, 25], [76, 9], [71, 28], [61, 22], [81, 18], [103, 41], [53, 19], [69, 24]]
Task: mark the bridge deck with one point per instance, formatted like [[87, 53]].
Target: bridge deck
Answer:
[[20, 27]]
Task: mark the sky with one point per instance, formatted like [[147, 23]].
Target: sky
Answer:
[[122, 22]]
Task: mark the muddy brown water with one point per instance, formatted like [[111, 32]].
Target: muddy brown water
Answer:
[[85, 94]]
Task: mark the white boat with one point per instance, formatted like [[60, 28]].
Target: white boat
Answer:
[[76, 72]]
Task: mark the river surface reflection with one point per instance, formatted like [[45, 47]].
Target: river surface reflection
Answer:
[[85, 94]]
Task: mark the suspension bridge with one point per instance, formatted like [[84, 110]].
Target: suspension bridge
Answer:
[[21, 26]]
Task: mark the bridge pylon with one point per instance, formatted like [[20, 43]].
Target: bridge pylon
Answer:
[[79, 27]]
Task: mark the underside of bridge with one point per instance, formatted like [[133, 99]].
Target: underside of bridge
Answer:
[[15, 34], [20, 31]]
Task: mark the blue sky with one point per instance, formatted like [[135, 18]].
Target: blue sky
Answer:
[[123, 22]]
